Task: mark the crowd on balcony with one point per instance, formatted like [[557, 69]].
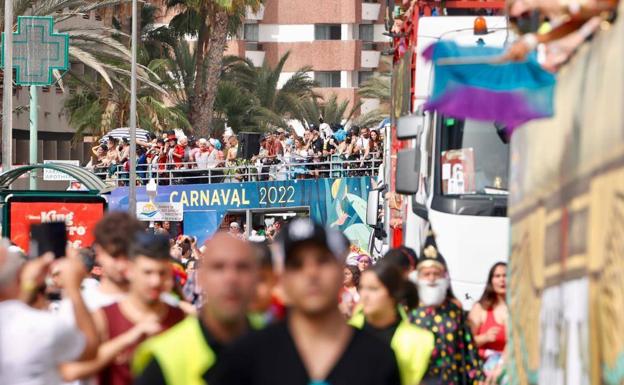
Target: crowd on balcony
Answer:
[[320, 152]]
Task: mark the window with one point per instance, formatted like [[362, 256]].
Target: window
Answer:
[[367, 32], [327, 32], [328, 78], [250, 32], [474, 159], [363, 76]]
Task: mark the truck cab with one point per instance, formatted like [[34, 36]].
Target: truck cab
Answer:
[[462, 170]]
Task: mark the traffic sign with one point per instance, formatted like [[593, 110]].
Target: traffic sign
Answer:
[[38, 50]]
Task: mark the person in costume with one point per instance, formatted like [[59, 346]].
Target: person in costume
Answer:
[[455, 359]]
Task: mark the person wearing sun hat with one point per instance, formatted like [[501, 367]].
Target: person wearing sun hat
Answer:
[[455, 359]]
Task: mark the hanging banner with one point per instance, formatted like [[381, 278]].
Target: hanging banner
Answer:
[[339, 202]]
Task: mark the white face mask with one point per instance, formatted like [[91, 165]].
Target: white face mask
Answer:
[[432, 294]]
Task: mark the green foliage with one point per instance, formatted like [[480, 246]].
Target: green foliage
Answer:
[[377, 87], [273, 105], [85, 112], [331, 110]]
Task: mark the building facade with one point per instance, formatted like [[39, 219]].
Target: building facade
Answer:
[[341, 40]]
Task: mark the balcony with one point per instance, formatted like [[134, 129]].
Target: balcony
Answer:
[[370, 59], [250, 15], [255, 56], [324, 55], [370, 11]]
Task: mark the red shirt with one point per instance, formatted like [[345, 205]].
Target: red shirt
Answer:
[[179, 151], [118, 372], [499, 343]]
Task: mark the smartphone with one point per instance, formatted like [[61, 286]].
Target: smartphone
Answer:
[[48, 237]]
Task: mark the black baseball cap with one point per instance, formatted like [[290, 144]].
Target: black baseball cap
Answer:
[[301, 231], [153, 246]]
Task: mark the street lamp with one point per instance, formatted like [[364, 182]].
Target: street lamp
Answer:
[[133, 110]]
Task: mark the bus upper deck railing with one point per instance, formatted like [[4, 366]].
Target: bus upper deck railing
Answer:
[[242, 171]]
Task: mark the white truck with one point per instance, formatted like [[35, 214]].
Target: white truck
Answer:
[[462, 170]]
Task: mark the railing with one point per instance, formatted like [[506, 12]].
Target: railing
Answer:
[[242, 171]]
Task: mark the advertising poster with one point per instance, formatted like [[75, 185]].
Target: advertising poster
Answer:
[[160, 211], [79, 217], [458, 175]]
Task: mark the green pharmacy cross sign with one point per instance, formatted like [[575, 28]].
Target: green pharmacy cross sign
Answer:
[[38, 50]]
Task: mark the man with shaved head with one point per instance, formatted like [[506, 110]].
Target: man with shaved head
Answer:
[[188, 352]]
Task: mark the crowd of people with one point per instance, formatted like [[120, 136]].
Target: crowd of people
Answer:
[[321, 151], [148, 307]]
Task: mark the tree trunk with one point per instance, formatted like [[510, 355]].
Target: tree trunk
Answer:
[[195, 100], [204, 102], [200, 55]]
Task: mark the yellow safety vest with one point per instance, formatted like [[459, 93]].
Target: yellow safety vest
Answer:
[[182, 353], [412, 347]]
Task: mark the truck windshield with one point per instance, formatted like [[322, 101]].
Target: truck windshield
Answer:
[[473, 158]]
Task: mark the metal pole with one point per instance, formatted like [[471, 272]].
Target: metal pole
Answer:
[[34, 126], [7, 96], [133, 111], [387, 181], [249, 220]]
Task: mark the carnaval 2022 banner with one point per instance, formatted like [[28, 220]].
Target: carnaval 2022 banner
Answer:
[[333, 202]]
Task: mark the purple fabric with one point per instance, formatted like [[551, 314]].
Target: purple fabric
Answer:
[[508, 93], [488, 105]]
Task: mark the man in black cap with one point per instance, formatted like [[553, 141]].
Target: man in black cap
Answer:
[[455, 359], [314, 345]]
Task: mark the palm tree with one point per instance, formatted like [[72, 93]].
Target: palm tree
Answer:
[[331, 110], [273, 105], [92, 111], [110, 108], [236, 107], [378, 87], [211, 21]]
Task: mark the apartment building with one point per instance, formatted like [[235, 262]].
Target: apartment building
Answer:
[[342, 41]]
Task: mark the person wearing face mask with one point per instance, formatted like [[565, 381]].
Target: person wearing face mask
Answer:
[[455, 359]]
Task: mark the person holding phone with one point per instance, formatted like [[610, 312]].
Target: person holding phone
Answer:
[[33, 343]]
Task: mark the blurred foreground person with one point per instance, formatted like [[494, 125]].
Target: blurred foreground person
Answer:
[[384, 293], [314, 345], [113, 236], [405, 259], [124, 324], [455, 359], [33, 343], [266, 307], [187, 353]]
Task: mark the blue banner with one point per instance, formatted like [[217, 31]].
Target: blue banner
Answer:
[[338, 203]]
